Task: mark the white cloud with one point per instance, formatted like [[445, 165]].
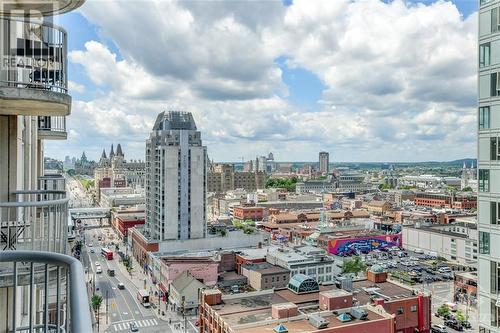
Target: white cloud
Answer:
[[76, 87], [400, 78]]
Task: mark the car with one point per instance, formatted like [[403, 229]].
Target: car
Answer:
[[466, 324], [92, 250], [444, 269], [454, 324], [90, 245], [134, 327], [120, 285], [98, 270], [436, 328]]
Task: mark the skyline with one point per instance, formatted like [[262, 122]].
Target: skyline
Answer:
[[269, 95]]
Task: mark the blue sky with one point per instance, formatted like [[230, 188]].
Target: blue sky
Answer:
[[305, 88]]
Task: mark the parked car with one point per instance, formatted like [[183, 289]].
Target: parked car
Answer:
[[444, 269], [466, 324], [435, 328], [454, 324]]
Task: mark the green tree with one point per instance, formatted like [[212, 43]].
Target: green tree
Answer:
[[96, 302], [467, 189], [354, 265], [443, 310], [288, 183], [460, 316]]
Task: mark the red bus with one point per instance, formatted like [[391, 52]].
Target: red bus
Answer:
[[107, 253]]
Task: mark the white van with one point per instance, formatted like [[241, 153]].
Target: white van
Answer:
[[419, 251]]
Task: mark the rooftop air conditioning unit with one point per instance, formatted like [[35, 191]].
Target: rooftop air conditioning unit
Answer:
[[360, 314], [318, 321]]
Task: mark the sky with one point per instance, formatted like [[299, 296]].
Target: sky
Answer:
[[366, 80]]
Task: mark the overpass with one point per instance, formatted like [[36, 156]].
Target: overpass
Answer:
[[90, 213]]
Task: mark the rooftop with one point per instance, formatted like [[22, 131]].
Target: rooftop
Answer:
[[365, 289], [301, 323]]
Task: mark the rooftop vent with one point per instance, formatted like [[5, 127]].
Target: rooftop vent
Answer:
[[344, 317], [318, 321], [359, 314]]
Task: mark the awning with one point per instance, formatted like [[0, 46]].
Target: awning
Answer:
[[162, 287]]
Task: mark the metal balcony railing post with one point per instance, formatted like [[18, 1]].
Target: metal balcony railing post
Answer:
[[77, 314]]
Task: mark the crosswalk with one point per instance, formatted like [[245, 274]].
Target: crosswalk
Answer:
[[140, 323]]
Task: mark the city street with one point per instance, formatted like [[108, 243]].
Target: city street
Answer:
[[120, 307]]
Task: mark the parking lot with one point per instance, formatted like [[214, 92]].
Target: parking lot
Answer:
[[423, 272]]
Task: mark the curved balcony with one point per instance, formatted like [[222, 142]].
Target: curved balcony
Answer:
[[33, 69], [42, 292], [37, 8], [35, 221], [52, 128]]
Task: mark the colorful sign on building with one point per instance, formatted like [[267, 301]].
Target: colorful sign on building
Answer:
[[365, 244]]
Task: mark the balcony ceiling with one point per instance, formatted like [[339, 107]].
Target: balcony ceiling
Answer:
[[30, 8], [32, 102]]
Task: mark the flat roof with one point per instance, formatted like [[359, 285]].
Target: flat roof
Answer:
[[235, 306], [391, 290], [303, 325]]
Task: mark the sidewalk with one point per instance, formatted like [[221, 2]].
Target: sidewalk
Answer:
[[138, 280]]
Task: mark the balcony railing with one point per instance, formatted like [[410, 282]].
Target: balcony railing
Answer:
[[43, 292], [34, 55], [36, 220], [52, 127]]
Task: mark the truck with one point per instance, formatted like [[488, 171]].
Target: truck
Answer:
[[143, 297]]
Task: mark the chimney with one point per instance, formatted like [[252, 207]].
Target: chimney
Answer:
[[212, 297]]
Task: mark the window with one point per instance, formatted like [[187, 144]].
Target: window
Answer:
[[494, 20], [493, 149], [493, 212], [484, 242], [484, 180], [399, 311], [413, 308], [494, 84], [484, 55], [494, 277], [494, 314]]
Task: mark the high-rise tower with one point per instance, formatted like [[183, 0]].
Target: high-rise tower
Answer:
[[324, 160], [488, 168], [176, 173]]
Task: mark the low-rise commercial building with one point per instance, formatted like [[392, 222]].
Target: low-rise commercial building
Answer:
[[121, 196], [270, 312], [184, 293], [307, 260], [456, 241], [243, 213], [266, 276], [124, 219]]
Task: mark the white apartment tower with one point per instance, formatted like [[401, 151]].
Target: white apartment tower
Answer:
[[176, 178], [324, 161], [489, 166]]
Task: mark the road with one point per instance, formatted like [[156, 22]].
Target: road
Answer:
[[120, 307]]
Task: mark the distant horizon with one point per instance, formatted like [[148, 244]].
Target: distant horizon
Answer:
[[311, 162]]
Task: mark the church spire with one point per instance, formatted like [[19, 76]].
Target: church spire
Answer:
[[119, 150], [103, 156], [112, 152]]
